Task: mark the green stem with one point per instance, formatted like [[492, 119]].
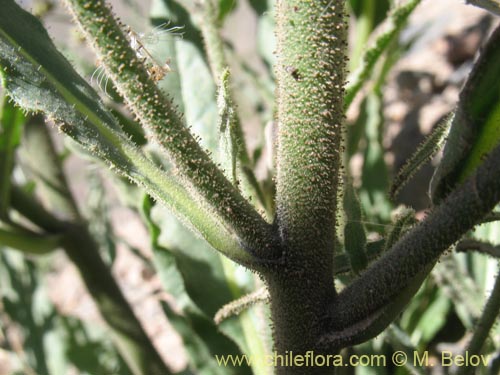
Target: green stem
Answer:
[[482, 247], [11, 119], [156, 114], [210, 28], [422, 246], [483, 327], [311, 44], [364, 28]]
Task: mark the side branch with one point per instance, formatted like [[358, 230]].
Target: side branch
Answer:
[[155, 112], [422, 246], [214, 46]]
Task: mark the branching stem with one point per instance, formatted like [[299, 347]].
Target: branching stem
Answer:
[[155, 112]]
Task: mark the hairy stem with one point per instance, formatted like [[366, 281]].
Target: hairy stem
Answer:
[[210, 28], [155, 112], [422, 246], [310, 68]]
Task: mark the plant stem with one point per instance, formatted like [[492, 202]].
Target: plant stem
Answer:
[[470, 244], [156, 114], [483, 327], [423, 245], [210, 28], [311, 39]]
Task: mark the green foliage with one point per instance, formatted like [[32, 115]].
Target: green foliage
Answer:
[[11, 121], [427, 150], [52, 343], [475, 129], [395, 22], [334, 264]]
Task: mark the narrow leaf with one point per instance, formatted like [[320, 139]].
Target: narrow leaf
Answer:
[[354, 231], [460, 288], [404, 221], [425, 152], [11, 120], [229, 143], [483, 327], [196, 291], [393, 25], [39, 78], [29, 242], [475, 129]]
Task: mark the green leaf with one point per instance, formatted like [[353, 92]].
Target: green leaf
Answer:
[[89, 349], [261, 6], [393, 25], [97, 213], [426, 314], [380, 12], [204, 344], [11, 121], [51, 343], [266, 38], [460, 288], [404, 220], [475, 129], [354, 231], [24, 304], [225, 7], [39, 78], [367, 15], [28, 241], [41, 162], [425, 152], [400, 341], [375, 177], [191, 277], [484, 269]]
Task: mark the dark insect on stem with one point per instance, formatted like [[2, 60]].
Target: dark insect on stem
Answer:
[[294, 72]]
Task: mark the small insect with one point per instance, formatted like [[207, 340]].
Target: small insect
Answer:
[[294, 72], [138, 42]]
